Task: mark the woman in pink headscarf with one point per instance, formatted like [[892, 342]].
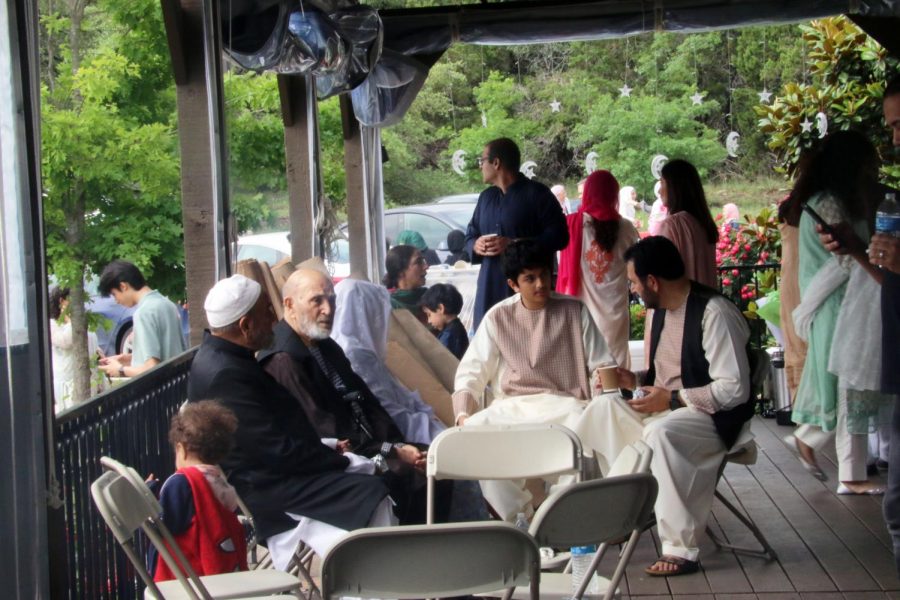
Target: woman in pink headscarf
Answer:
[[591, 267]]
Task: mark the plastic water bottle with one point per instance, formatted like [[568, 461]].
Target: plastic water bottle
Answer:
[[887, 219], [582, 557], [522, 522]]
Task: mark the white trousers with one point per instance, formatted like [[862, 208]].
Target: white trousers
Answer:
[[687, 453], [852, 449], [510, 497], [320, 536]]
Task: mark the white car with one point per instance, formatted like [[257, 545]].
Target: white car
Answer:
[[274, 246]]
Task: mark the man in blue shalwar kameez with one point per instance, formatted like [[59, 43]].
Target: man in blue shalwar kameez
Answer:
[[514, 207]]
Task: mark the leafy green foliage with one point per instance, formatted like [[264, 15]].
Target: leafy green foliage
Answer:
[[847, 74], [109, 162]]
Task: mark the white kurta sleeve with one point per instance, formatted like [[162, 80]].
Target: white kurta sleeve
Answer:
[[725, 335], [595, 348], [478, 367]]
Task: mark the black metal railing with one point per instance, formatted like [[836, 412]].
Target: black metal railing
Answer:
[[129, 423]]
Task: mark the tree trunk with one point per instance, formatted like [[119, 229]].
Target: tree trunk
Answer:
[[81, 384]]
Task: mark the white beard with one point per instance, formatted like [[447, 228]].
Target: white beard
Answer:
[[313, 330]]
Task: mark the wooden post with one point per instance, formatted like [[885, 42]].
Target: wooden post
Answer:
[[195, 45], [299, 112], [357, 226]]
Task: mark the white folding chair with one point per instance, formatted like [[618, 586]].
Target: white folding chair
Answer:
[[127, 508], [501, 452], [742, 454], [299, 565], [634, 458], [435, 561], [600, 511]]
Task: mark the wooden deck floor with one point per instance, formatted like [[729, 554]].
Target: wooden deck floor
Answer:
[[828, 546]]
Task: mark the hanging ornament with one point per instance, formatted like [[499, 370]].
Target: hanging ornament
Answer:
[[459, 162], [732, 141], [554, 106], [821, 124], [764, 96], [806, 125], [527, 169], [590, 162], [656, 165], [697, 99], [625, 91], [483, 119]]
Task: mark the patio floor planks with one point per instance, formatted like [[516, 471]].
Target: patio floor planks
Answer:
[[828, 546]]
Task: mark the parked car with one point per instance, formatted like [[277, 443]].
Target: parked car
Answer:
[[111, 336], [274, 246], [433, 220]]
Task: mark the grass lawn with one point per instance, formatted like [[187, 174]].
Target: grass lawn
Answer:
[[750, 196]]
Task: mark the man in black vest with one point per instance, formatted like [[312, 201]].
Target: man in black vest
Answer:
[[694, 400]]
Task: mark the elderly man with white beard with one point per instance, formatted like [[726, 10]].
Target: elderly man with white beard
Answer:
[[339, 404]]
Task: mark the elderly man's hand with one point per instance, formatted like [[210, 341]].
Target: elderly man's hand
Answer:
[[656, 399], [412, 456], [884, 251]]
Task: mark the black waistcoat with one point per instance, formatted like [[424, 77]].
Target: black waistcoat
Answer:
[[694, 366]]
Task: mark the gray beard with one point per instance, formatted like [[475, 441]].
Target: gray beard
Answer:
[[312, 330]]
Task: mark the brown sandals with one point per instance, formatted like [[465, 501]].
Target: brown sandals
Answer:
[[682, 566]]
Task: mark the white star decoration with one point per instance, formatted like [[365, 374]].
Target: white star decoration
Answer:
[[697, 99], [625, 91], [806, 125], [554, 106], [764, 96]]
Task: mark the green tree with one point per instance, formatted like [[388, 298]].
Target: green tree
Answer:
[[848, 70], [111, 176]]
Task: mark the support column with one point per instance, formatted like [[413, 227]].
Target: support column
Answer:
[[195, 45], [299, 112], [29, 496], [365, 196]]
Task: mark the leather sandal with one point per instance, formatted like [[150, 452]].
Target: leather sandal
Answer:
[[682, 566]]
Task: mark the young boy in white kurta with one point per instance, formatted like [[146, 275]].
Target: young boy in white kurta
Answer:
[[537, 351]]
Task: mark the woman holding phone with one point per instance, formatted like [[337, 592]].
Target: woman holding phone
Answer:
[[836, 396]]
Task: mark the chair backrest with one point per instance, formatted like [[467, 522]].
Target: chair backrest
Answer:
[[125, 509], [595, 512], [111, 464], [634, 458], [501, 452], [431, 560], [504, 452]]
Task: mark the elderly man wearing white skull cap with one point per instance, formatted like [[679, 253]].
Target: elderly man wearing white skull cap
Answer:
[[297, 486]]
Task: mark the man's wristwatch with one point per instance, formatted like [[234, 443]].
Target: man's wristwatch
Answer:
[[122, 371], [675, 401]]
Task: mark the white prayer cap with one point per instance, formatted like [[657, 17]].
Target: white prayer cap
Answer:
[[230, 299]]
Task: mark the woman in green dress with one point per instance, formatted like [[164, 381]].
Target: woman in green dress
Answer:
[[405, 278], [841, 186]]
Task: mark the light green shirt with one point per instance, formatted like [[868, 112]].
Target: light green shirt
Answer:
[[157, 330]]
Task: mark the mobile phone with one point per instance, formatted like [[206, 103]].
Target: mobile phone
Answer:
[[818, 219]]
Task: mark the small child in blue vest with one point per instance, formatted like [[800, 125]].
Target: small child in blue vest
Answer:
[[442, 304], [198, 502]]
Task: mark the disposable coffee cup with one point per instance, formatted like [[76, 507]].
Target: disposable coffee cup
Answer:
[[609, 379]]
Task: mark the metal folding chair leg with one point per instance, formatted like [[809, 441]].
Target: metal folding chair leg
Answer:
[[766, 551]]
